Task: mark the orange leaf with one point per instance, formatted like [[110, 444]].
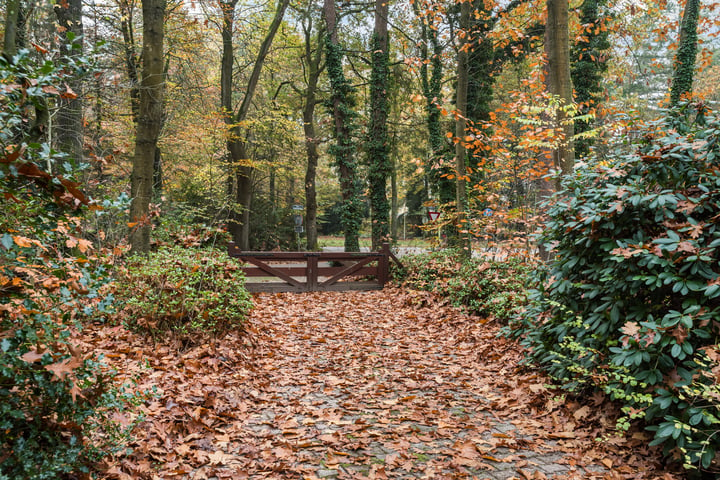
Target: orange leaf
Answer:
[[23, 241], [68, 94], [39, 48]]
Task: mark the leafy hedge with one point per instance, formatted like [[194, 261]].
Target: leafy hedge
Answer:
[[189, 293], [486, 288], [631, 303], [56, 400]]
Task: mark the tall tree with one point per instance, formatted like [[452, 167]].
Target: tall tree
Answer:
[[70, 106], [431, 78], [461, 104], [342, 105], [589, 57], [557, 47], [150, 118], [312, 61], [378, 147], [241, 168], [683, 74], [130, 54]]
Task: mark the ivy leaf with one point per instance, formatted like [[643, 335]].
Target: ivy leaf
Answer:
[[7, 241]]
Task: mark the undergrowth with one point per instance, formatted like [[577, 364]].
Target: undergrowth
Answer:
[[188, 294], [630, 304], [488, 288]]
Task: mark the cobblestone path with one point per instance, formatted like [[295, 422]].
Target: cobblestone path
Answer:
[[379, 385]]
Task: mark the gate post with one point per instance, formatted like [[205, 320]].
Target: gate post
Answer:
[[311, 271], [384, 265]]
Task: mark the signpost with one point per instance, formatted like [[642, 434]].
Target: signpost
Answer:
[[298, 222], [433, 215]]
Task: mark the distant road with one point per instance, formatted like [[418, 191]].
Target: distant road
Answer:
[[399, 251]]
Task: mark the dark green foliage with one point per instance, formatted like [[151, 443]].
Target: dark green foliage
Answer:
[[684, 71], [343, 150], [329, 221], [439, 159], [481, 287], [273, 228], [187, 293], [378, 146], [589, 57], [630, 304], [56, 400]]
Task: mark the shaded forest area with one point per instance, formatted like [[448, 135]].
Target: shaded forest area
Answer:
[[569, 151]]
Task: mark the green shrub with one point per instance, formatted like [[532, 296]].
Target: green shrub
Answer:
[[631, 303], [486, 288], [184, 292], [56, 401]]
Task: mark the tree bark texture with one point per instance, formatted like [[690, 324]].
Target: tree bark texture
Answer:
[[461, 103], [69, 137], [682, 80], [131, 59], [344, 148], [557, 45], [150, 119], [313, 59], [378, 150], [431, 73], [10, 39]]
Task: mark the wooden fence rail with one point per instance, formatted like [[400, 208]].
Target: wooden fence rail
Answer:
[[316, 271]]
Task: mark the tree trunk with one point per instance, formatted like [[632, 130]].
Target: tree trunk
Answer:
[[12, 17], [393, 199], [344, 126], [435, 173], [377, 142], [682, 80], [131, 58], [589, 62], [313, 60], [557, 46], [239, 160], [149, 123], [460, 133], [70, 114], [226, 106]]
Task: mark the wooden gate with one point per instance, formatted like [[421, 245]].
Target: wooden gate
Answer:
[[315, 271]]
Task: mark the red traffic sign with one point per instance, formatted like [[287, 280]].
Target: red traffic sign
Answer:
[[433, 215]]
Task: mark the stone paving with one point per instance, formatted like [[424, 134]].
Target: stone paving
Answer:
[[358, 388]]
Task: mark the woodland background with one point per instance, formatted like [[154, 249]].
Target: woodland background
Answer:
[[139, 137], [250, 121]]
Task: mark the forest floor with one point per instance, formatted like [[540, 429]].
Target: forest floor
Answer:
[[381, 385]]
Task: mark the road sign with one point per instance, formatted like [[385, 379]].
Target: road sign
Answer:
[[433, 215], [298, 207]]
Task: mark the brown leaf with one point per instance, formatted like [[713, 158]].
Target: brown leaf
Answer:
[[581, 412], [219, 458], [64, 368], [32, 356]]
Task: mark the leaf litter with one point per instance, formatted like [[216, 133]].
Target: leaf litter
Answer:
[[386, 384]]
